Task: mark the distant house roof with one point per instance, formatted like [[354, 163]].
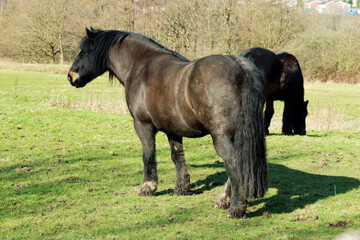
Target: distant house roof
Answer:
[[311, 4], [339, 5], [333, 5]]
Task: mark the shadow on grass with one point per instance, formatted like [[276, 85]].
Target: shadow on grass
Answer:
[[203, 185], [295, 189], [308, 135]]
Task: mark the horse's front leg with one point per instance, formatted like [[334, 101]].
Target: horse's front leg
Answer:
[[177, 155], [269, 112], [223, 201], [146, 133]]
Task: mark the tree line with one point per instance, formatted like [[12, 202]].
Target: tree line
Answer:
[[49, 31]]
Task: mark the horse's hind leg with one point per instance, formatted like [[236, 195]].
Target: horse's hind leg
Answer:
[[146, 133], [288, 118], [238, 203], [182, 176]]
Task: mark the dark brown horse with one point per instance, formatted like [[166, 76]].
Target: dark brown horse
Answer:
[[218, 95], [284, 82]]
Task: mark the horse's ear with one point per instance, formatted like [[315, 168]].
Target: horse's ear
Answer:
[[90, 33], [91, 28]]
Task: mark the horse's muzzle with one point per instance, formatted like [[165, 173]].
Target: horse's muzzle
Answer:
[[70, 79], [73, 78]]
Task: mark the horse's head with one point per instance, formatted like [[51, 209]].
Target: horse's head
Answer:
[[299, 118], [86, 66]]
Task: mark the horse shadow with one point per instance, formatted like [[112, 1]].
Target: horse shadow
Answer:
[[203, 185], [295, 189], [307, 135]]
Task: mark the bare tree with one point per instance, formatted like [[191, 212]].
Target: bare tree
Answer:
[[42, 27], [3, 5]]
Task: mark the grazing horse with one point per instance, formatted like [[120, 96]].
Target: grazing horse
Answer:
[[218, 95], [284, 81]]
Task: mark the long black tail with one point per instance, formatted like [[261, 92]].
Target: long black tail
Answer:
[[249, 140]]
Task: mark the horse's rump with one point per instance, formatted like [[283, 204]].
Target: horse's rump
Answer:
[[269, 65], [292, 77]]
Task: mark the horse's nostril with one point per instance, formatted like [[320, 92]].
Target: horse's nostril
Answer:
[[69, 78]]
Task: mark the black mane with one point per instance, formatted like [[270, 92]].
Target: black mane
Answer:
[[151, 43], [102, 41]]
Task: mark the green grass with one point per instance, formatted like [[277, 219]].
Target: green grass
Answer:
[[71, 168]]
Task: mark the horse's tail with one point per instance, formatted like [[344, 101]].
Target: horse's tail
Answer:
[[249, 139]]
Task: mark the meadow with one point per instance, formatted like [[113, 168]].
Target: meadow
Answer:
[[71, 168]]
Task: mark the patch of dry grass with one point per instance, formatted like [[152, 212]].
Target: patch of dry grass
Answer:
[[109, 100]]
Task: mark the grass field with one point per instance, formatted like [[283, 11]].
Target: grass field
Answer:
[[71, 168]]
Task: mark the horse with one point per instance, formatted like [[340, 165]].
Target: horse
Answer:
[[284, 81], [220, 95]]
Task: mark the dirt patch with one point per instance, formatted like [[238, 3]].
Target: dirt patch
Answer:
[[341, 224], [72, 179], [305, 219]]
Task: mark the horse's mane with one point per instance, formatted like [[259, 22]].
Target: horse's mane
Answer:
[[102, 41], [151, 43]]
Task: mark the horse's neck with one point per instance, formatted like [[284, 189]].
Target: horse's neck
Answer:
[[120, 61], [131, 56]]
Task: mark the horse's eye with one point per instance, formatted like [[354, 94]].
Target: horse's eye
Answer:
[[83, 52]]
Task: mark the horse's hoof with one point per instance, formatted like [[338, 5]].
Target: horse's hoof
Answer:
[[148, 189], [146, 194], [288, 133], [222, 204], [241, 216], [182, 191], [238, 212], [223, 201], [182, 186]]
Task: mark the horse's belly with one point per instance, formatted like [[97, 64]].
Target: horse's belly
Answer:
[[178, 126], [187, 132], [171, 113]]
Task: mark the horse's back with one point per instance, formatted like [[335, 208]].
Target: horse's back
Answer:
[[268, 63]]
